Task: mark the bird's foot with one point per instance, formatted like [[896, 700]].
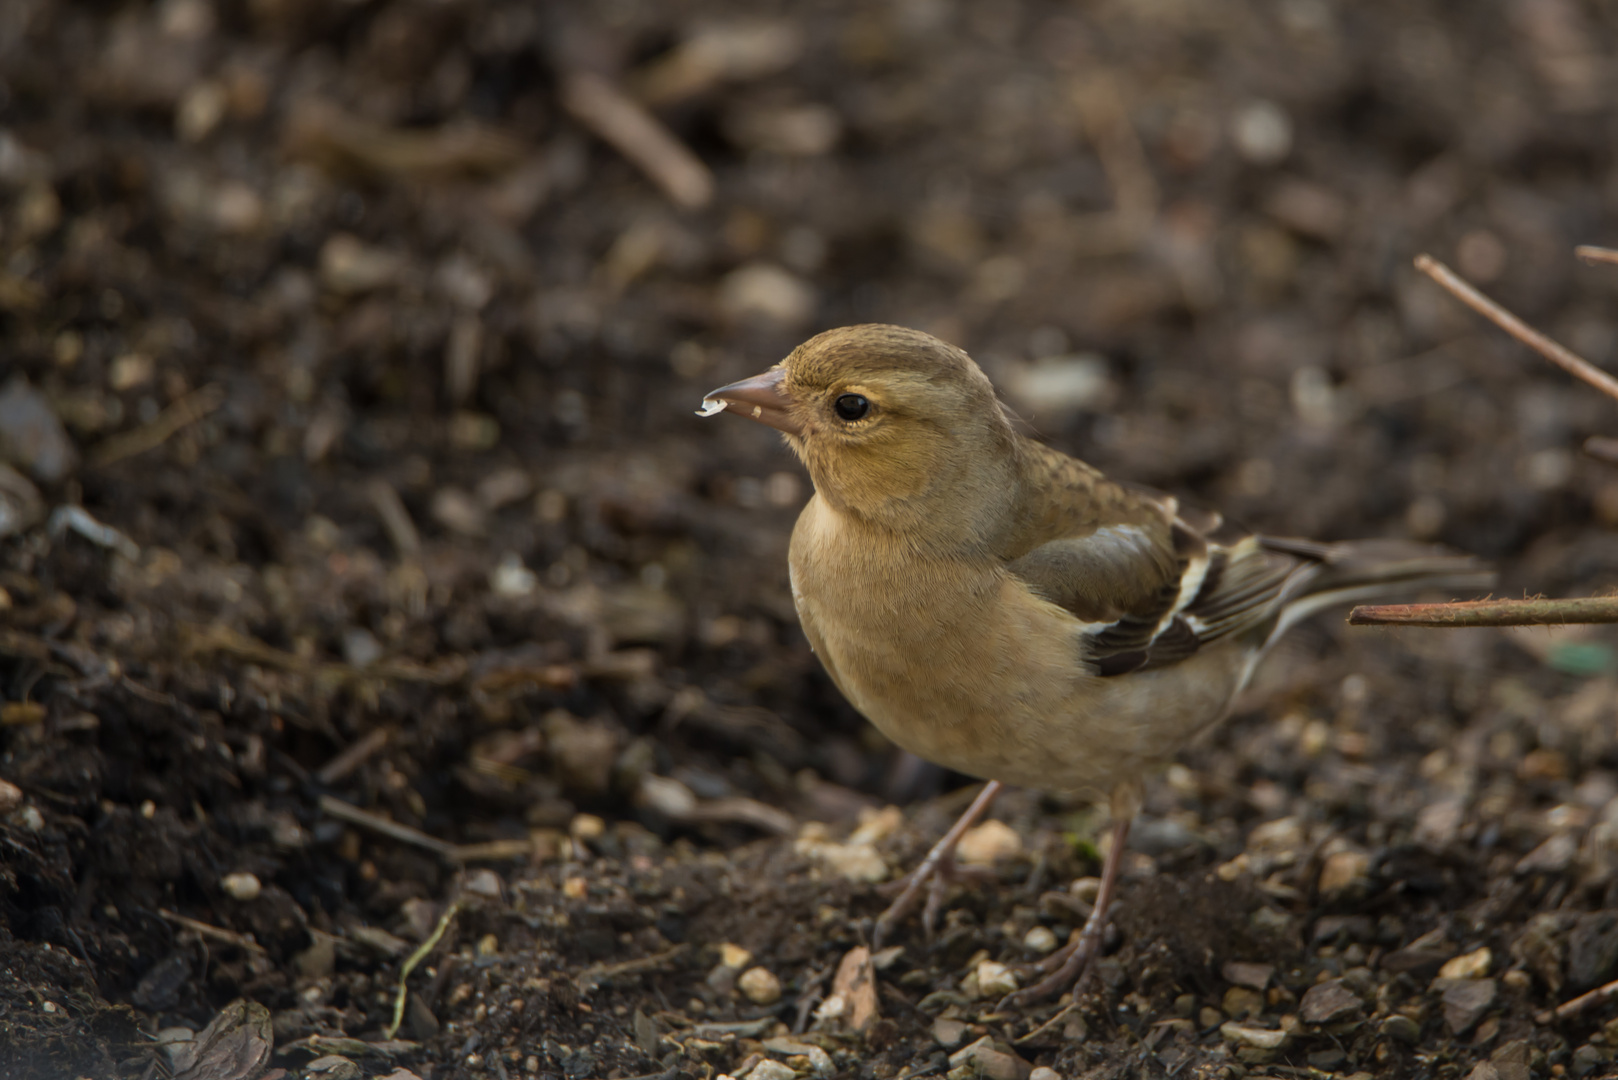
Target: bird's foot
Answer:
[[934, 876], [1067, 968]]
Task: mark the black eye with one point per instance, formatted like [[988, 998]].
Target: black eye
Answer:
[[852, 406]]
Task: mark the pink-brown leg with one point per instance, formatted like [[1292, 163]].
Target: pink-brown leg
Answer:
[[935, 873], [1072, 962]]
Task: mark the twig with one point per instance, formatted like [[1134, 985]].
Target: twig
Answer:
[[596, 974], [1589, 609], [1592, 254], [639, 136], [208, 930], [395, 518], [352, 758], [1559, 355], [1602, 448], [343, 811], [410, 965], [188, 410], [1569, 1009]]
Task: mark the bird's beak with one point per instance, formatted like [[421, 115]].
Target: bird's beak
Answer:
[[759, 398]]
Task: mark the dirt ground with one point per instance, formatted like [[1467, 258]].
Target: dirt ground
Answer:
[[367, 583]]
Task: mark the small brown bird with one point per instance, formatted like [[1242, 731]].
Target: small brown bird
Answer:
[[1004, 610]]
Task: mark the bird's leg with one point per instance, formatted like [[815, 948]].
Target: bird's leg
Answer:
[[935, 873], [1071, 963]]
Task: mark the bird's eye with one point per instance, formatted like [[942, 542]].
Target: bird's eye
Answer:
[[851, 406]]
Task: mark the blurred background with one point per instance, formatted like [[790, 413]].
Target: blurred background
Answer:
[[375, 328]]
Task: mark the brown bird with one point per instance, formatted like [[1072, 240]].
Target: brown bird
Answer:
[[1005, 610]]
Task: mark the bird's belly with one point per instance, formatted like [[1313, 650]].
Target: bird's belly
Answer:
[[987, 682]]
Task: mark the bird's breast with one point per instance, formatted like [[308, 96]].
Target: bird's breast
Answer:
[[950, 657]]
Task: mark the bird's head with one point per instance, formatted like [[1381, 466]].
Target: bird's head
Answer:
[[886, 419]]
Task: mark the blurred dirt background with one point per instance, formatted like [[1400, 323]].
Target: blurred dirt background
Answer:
[[364, 572]]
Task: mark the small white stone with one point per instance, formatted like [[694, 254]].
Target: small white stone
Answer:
[[989, 843], [1263, 132], [760, 986], [1040, 939], [995, 979], [242, 886], [1044, 1072], [733, 956], [771, 1070], [1472, 965], [713, 407], [1261, 1038]]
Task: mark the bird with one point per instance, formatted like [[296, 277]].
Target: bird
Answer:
[[1007, 611]]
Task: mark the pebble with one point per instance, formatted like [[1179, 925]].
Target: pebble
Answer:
[[21, 505], [1240, 1001], [1063, 384], [995, 980], [1262, 132], [987, 1060], [1465, 1002], [1044, 1072], [1343, 871], [1328, 1003], [1253, 976], [760, 986], [949, 1033], [771, 1070], [989, 843], [31, 436], [1551, 857], [1472, 965], [1400, 1028], [853, 860], [10, 796], [1592, 950], [1256, 1037], [767, 292], [1040, 939], [242, 886], [733, 956], [350, 267]]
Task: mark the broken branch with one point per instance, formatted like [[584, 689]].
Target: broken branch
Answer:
[[1560, 355], [1590, 609]]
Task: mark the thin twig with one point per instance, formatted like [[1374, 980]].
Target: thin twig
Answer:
[[353, 757], [343, 811], [1592, 254], [635, 133], [1569, 1009], [596, 974], [410, 965], [1559, 355], [208, 930], [188, 410], [1602, 448], [1589, 609]]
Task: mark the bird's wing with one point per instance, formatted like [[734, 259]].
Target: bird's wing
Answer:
[[1152, 582]]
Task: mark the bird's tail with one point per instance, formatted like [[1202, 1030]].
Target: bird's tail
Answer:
[[1359, 571]]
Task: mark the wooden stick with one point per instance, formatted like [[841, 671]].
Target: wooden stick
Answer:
[[1592, 254], [1559, 355], [1569, 1009], [639, 136], [1602, 448], [188, 410], [208, 930], [1589, 609], [343, 811]]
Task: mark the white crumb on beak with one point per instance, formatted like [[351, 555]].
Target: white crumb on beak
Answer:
[[711, 407], [758, 411]]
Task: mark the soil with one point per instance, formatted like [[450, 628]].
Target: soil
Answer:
[[368, 588]]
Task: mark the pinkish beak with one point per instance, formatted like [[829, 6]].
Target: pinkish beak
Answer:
[[759, 398]]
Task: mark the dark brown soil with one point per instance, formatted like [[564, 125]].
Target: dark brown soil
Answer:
[[381, 364]]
